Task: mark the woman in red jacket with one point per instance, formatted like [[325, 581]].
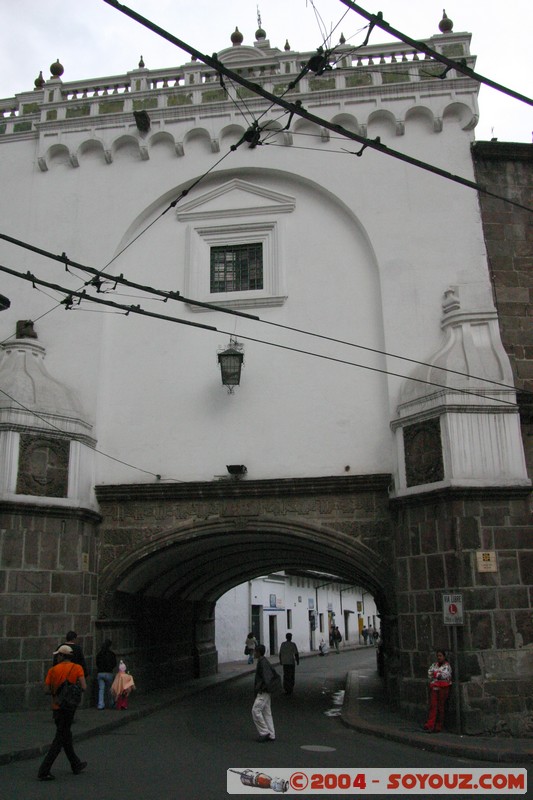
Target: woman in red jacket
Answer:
[[440, 680]]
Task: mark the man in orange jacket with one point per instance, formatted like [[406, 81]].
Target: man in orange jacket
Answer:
[[64, 670]]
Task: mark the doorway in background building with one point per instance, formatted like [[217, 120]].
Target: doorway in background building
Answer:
[[257, 613], [273, 634], [312, 629]]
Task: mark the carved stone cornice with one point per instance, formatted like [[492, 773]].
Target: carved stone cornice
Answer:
[[282, 487]]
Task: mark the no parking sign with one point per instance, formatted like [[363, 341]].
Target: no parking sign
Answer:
[[452, 609]]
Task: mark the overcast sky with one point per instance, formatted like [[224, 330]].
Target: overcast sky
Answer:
[[92, 39]]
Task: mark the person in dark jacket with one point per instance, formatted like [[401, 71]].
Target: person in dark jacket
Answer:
[[289, 657], [261, 709], [106, 661], [77, 652]]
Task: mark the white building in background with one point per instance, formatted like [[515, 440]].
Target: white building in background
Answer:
[[306, 606]]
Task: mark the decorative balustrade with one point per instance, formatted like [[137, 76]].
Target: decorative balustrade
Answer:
[[194, 84]]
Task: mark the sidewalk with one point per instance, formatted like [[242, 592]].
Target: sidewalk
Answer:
[[366, 710], [27, 734]]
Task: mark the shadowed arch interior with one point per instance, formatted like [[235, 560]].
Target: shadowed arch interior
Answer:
[[172, 551]]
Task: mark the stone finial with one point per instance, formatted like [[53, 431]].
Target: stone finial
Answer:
[[450, 301], [446, 24], [25, 329], [39, 81], [141, 63], [287, 45], [342, 40], [236, 37], [56, 69]]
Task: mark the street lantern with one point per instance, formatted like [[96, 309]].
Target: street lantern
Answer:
[[4, 303], [231, 361]]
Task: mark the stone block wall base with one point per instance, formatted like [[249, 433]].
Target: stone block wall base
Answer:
[[206, 660], [439, 539], [48, 586]]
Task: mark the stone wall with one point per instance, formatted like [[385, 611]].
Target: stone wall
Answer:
[[437, 540], [220, 530], [507, 169], [48, 585]]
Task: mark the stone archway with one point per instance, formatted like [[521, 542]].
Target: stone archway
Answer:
[[169, 552]]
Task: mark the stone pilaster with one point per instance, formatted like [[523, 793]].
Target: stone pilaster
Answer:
[[438, 538], [48, 584]]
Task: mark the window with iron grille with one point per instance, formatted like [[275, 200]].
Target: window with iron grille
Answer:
[[237, 267]]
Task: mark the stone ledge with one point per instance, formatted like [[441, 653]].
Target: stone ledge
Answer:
[[450, 493], [280, 487], [34, 509]]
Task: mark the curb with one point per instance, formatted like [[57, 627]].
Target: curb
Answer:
[[446, 743], [185, 691]]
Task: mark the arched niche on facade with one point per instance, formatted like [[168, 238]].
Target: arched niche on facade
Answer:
[[306, 133], [91, 149], [273, 133], [381, 123], [349, 122], [230, 135], [460, 114], [420, 117], [199, 140], [126, 147], [58, 155], [162, 146]]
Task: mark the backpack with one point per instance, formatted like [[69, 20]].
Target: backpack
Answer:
[[274, 683], [68, 695]]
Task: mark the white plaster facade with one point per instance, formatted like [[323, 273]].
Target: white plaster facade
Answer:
[[380, 260], [305, 606], [357, 249]]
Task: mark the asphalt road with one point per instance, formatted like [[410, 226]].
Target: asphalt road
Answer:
[[184, 752]]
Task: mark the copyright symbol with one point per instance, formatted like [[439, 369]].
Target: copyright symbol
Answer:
[[299, 781]]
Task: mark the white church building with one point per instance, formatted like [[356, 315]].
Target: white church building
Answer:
[[167, 234]]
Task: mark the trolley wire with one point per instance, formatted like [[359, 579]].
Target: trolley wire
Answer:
[[377, 19], [136, 309], [166, 295], [298, 109]]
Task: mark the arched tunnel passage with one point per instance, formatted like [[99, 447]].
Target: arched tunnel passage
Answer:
[[157, 600]]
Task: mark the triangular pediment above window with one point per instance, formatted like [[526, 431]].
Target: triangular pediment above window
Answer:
[[236, 198]]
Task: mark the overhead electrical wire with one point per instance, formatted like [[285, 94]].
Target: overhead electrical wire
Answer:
[[377, 19], [94, 449], [173, 204], [136, 309], [166, 295], [292, 109], [297, 108]]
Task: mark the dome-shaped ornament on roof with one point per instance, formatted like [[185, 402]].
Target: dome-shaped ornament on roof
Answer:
[[141, 63], [342, 40], [39, 81], [287, 45], [446, 24], [57, 69], [236, 37], [260, 34]]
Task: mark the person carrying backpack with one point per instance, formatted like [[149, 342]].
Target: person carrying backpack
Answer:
[[64, 671]]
